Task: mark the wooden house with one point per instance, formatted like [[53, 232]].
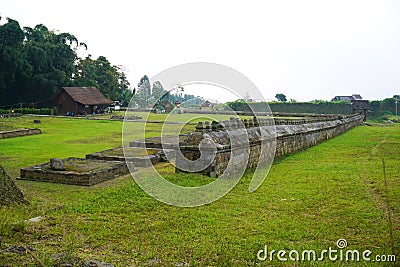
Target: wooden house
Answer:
[[74, 101], [167, 106], [207, 105]]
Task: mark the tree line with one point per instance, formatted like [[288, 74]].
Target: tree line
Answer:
[[36, 62], [148, 95], [378, 109]]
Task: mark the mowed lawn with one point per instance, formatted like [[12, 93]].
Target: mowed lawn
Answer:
[[61, 138], [308, 201]]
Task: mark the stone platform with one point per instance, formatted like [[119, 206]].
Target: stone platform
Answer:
[[168, 142], [19, 132], [139, 156], [77, 171]]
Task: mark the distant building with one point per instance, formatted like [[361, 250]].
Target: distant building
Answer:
[[347, 98], [207, 104], [177, 103], [75, 101], [167, 106]]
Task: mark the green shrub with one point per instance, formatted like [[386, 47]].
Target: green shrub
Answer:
[[377, 108]]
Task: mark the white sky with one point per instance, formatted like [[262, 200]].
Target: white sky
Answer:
[[304, 49]]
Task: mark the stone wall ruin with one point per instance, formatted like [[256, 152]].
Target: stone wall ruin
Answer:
[[290, 136]]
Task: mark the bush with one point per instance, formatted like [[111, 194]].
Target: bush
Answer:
[[321, 107], [377, 108], [383, 116]]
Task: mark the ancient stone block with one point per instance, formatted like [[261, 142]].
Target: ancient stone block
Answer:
[[57, 164]]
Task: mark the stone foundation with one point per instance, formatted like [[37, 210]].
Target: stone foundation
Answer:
[[77, 172], [19, 132], [140, 157], [10, 115], [168, 142]]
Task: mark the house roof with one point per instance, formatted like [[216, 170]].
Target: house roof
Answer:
[[346, 98], [166, 103], [207, 104], [87, 95]]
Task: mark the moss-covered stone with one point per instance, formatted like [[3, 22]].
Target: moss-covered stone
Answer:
[[9, 192]]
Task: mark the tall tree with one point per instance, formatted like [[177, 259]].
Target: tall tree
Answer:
[[158, 92], [85, 73], [36, 62], [52, 57], [143, 93], [144, 87], [109, 79], [281, 97], [13, 64]]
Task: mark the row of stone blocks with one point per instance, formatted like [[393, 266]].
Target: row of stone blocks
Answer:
[[10, 115], [152, 156], [288, 140], [236, 123], [19, 132]]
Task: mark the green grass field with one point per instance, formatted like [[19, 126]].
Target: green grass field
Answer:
[[65, 137], [308, 201]]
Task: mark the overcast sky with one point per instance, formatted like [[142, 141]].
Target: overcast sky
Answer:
[[304, 49]]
